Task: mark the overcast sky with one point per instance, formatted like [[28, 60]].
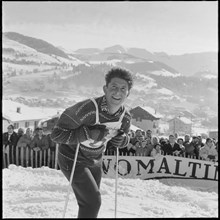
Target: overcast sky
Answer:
[[174, 27]]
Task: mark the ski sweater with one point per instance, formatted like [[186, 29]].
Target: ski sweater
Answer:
[[69, 129]]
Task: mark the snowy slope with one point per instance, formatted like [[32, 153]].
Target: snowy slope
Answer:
[[23, 52], [41, 193]]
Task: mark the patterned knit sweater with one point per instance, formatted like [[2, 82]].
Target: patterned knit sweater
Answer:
[[69, 129]]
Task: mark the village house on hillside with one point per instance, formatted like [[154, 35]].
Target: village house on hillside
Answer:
[[20, 115], [188, 114], [180, 125], [49, 123], [145, 118]]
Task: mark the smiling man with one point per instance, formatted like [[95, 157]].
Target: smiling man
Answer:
[[93, 123]]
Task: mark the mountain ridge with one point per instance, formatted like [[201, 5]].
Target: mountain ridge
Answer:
[[186, 64], [29, 72], [37, 44]]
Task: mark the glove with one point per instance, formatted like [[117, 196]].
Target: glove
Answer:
[[97, 132], [119, 140], [176, 152]]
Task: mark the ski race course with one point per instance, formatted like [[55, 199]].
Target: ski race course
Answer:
[[41, 192]]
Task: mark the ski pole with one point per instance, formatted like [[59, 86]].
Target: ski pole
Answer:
[[120, 132], [116, 181], [71, 179]]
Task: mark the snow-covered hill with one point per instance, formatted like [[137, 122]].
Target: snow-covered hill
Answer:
[[15, 52], [29, 70], [41, 193]]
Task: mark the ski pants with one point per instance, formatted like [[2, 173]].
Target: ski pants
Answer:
[[85, 185]]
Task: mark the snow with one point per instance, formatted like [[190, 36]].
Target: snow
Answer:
[[210, 76], [18, 67], [166, 73], [33, 55], [147, 82], [41, 193], [26, 112], [152, 111], [185, 120], [7, 43], [109, 62], [165, 91]]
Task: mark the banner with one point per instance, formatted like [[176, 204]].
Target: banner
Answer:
[[160, 167]]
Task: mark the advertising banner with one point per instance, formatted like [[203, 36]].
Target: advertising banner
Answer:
[[160, 167]]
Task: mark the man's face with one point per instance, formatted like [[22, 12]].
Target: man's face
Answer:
[[138, 133], [10, 129], [149, 133], [210, 143], [29, 131], [180, 141], [199, 139], [187, 138], [195, 140], [116, 92], [172, 139], [40, 132]]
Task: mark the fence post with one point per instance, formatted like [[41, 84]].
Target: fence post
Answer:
[[8, 157], [27, 156], [53, 159], [17, 156], [41, 152], [32, 158], [48, 161], [56, 155], [3, 154], [12, 153], [44, 156], [36, 158], [22, 156]]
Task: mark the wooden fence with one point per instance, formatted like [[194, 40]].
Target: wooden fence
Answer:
[[27, 157]]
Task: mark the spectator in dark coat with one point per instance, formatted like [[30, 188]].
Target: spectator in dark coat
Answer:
[[149, 146], [10, 139], [138, 137], [189, 148], [148, 134], [162, 142], [195, 143], [140, 145], [20, 132], [24, 142], [180, 142], [200, 141], [40, 141], [172, 148]]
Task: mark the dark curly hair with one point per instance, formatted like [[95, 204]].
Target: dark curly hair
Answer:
[[119, 73]]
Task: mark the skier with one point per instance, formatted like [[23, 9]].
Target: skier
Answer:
[[92, 123]]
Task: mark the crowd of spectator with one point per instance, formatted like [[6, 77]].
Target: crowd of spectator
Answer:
[[141, 144], [144, 144], [37, 140]]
